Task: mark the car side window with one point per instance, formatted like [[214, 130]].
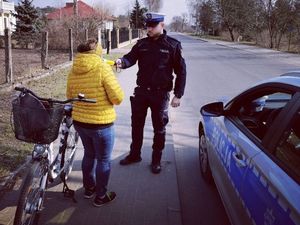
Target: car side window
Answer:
[[288, 150], [257, 114]]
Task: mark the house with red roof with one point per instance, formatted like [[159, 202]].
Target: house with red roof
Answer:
[[84, 11]]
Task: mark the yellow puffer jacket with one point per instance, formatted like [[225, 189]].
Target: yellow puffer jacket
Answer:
[[94, 78]]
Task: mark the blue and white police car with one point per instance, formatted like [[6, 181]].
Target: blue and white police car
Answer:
[[250, 147]]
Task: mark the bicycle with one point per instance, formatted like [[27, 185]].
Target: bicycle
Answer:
[[51, 156]]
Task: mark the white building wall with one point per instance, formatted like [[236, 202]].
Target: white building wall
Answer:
[[6, 10], [109, 25]]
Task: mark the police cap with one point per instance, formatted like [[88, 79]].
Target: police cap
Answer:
[[154, 17]]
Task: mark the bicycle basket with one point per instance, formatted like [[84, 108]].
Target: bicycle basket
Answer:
[[35, 122]]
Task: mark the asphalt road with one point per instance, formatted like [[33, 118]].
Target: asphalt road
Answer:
[[214, 70]]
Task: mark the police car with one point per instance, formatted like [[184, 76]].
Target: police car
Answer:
[[250, 147]]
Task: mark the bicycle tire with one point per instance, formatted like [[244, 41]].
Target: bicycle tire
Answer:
[[31, 196]]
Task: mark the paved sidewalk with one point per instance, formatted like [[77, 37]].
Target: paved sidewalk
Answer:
[[142, 197]]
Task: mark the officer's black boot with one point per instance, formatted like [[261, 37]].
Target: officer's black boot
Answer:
[[129, 160], [155, 165], [133, 157]]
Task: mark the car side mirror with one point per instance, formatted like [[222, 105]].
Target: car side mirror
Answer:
[[214, 109]]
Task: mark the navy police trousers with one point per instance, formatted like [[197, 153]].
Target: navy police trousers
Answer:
[[158, 101]]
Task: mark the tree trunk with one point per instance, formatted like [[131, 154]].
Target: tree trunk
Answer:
[[289, 43], [271, 39], [231, 33], [279, 41]]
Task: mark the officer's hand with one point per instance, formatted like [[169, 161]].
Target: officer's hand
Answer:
[[119, 63], [175, 102]]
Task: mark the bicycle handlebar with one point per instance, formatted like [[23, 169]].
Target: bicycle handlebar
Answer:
[[79, 99]]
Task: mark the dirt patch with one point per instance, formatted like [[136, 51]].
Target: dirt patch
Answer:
[[27, 62]]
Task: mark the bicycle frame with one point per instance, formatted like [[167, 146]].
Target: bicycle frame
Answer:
[[67, 123]]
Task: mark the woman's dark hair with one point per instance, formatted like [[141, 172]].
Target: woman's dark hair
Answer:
[[85, 47]]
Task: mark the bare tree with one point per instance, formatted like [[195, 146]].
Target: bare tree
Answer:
[[237, 15], [176, 24], [297, 18], [104, 10], [270, 19], [184, 17], [250, 18], [153, 5], [179, 23], [206, 16], [194, 7], [227, 11], [284, 11]]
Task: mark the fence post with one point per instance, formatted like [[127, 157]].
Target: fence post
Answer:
[[8, 57], [108, 47], [118, 37], [70, 45], [86, 34], [109, 38], [130, 35], [44, 50], [99, 37]]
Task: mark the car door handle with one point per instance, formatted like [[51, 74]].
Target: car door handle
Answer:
[[238, 159]]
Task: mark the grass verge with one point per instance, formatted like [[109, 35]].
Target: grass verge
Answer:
[[13, 152]]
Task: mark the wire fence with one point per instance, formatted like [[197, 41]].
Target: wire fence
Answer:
[[19, 61]]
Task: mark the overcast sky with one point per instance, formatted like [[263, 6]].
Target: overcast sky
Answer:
[[170, 7]]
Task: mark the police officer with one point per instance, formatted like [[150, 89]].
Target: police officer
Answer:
[[158, 56]]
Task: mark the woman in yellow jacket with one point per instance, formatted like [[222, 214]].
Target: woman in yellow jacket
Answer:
[[94, 122]]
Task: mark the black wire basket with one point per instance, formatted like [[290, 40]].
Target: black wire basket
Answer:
[[36, 125]]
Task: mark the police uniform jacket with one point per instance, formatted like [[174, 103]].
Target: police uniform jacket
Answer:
[[157, 60]]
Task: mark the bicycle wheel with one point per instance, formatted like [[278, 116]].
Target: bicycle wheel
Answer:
[[31, 195]]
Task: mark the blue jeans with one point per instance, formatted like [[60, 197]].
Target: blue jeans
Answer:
[[98, 145]]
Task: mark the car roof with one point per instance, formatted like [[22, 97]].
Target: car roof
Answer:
[[292, 81], [291, 78], [295, 73]]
